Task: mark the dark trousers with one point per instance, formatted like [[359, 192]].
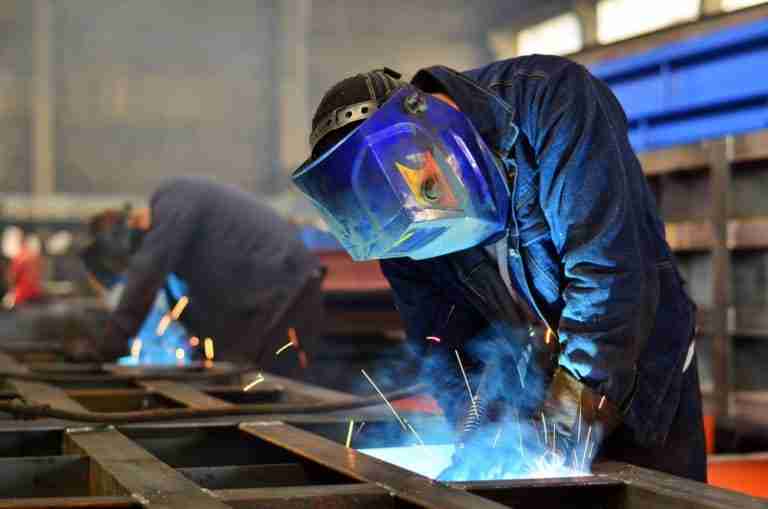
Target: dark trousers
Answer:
[[304, 314], [683, 453]]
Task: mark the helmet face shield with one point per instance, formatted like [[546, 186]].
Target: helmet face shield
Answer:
[[415, 179]]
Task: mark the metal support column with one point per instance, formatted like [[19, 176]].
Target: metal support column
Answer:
[[720, 156], [43, 102], [292, 77]]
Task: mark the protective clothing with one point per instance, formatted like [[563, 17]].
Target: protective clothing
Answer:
[[415, 179]]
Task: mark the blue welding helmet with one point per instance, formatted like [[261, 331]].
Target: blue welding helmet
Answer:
[[414, 179]]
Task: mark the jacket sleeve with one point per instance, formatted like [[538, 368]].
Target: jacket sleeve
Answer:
[[437, 322], [587, 168], [173, 219]]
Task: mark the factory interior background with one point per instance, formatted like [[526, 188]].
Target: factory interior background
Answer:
[[102, 101]]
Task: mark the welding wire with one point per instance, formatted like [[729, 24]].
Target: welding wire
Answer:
[[178, 309], [283, 348], [586, 446], [162, 326], [394, 412], [254, 383], [472, 400], [349, 433]]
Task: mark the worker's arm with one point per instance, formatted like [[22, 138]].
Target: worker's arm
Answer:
[[437, 322], [586, 169], [174, 216]]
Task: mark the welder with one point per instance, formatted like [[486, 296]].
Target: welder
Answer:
[[249, 277], [506, 203]]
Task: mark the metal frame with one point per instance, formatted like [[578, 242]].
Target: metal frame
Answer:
[[273, 462]]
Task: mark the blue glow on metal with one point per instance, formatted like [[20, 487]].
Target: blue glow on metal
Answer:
[[161, 349], [431, 460], [409, 184]]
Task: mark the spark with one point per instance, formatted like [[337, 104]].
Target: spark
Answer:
[[591, 450], [208, 348], [360, 428], [349, 433], [520, 434], [293, 337], [578, 423], [544, 425], [260, 378], [548, 336], [602, 402], [194, 341], [283, 348], [180, 354], [472, 400], [586, 446], [554, 438], [162, 326], [178, 309], [434, 339], [496, 438], [421, 442], [394, 412], [136, 348]]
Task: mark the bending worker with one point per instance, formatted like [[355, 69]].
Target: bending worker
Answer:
[[510, 195], [249, 277]]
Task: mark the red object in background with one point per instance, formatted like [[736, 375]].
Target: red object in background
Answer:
[[24, 276]]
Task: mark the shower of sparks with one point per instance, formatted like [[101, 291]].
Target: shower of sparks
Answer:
[[391, 408], [178, 309], [349, 433], [162, 326], [283, 348], [136, 348], [260, 378], [208, 348], [180, 354], [472, 400], [194, 341]]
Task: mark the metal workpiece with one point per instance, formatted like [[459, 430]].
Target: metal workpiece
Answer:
[[276, 461]]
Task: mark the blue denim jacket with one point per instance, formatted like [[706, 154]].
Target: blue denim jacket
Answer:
[[587, 249]]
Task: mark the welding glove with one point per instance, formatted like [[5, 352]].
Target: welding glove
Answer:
[[576, 418]]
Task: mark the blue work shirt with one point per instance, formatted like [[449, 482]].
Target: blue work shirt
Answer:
[[586, 245]]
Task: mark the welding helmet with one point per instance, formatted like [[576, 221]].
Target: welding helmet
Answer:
[[111, 246], [414, 179]]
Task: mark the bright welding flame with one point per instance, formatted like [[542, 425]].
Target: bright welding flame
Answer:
[[180, 354], [208, 348], [178, 309]]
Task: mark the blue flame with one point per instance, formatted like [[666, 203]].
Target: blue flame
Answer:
[[171, 347]]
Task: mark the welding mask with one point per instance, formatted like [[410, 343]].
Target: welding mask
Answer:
[[108, 253], [414, 179]]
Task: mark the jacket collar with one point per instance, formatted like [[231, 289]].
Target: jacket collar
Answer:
[[490, 114]]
